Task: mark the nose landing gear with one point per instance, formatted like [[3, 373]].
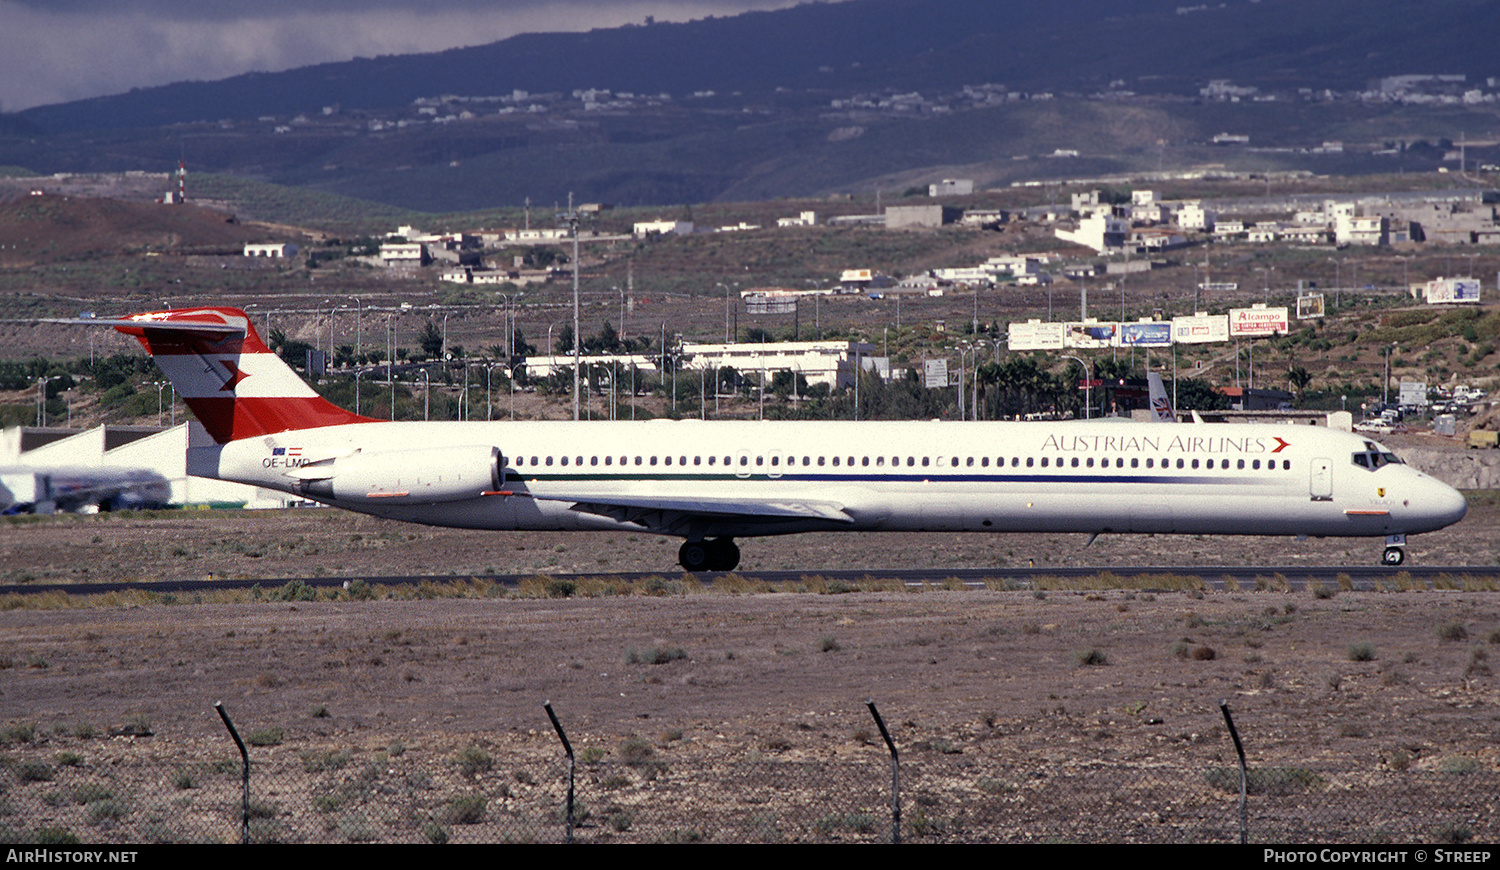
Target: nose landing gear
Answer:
[[1395, 552]]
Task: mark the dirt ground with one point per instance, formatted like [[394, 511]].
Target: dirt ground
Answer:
[[1394, 684], [195, 545], [1357, 684]]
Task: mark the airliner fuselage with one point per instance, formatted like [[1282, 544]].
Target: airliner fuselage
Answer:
[[720, 480]]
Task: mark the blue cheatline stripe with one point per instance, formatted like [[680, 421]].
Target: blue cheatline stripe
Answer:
[[1200, 480]]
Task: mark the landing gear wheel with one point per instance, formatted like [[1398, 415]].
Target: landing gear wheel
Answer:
[[725, 555], [695, 555], [720, 554], [1393, 556]]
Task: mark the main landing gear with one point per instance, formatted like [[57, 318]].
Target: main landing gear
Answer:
[[720, 554], [1395, 552]]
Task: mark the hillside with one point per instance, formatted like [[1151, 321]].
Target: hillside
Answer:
[[815, 100], [41, 229]]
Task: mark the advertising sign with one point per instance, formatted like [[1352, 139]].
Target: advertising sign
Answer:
[[1146, 334], [1257, 321], [1446, 290], [1200, 328], [1091, 333], [1035, 335], [935, 373], [1310, 306]]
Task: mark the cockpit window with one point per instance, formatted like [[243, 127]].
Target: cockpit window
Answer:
[[1375, 456]]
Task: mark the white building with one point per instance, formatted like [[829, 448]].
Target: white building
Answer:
[[1191, 215], [404, 254], [663, 228], [820, 362], [270, 249], [545, 366], [161, 452], [1099, 231], [806, 219], [951, 187]]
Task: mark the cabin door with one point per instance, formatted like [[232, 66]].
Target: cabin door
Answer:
[[1321, 482]]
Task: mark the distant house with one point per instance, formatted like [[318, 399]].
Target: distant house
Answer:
[[951, 187], [1192, 215], [1098, 231], [904, 216], [394, 254], [270, 249], [663, 228]]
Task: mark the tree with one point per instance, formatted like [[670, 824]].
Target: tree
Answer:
[[1196, 394], [520, 346], [607, 341], [431, 340], [1299, 378]]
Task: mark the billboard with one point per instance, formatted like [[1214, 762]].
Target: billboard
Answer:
[[1146, 333], [1035, 335], [1413, 394], [1444, 290], [1200, 328], [935, 373], [1257, 321], [770, 303], [1310, 306], [1091, 333]]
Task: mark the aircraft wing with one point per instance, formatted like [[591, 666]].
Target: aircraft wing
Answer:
[[670, 514]]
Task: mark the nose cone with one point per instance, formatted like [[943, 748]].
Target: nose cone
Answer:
[[1438, 505]]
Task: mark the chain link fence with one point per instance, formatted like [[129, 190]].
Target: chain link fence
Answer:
[[140, 790]]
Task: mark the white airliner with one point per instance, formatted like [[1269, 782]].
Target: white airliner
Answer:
[[712, 482]]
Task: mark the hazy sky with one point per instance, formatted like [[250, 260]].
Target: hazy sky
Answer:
[[58, 50]]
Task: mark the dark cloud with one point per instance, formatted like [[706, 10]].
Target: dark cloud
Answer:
[[58, 50]]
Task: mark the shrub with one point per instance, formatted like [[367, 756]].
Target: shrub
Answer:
[[1452, 631], [635, 750], [1091, 657], [1361, 652], [654, 656], [109, 809], [1267, 780], [34, 771], [472, 761], [468, 809], [266, 737], [20, 732]]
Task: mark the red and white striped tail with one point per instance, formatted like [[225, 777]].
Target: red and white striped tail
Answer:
[[233, 383]]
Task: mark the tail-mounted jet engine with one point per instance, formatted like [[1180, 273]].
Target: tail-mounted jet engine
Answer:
[[425, 476]]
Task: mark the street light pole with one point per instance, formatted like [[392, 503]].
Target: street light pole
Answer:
[[1088, 399], [571, 219]]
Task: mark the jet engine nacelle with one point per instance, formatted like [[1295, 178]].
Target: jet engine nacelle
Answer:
[[427, 476]]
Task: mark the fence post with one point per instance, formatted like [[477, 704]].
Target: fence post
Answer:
[[244, 773], [567, 748], [895, 772], [1244, 774]]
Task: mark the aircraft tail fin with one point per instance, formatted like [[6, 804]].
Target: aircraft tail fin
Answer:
[[1161, 407], [233, 383]]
